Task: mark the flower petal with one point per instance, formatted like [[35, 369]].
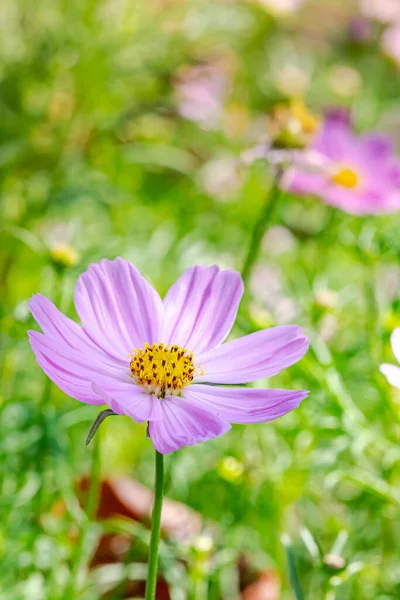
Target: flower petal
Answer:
[[67, 354], [72, 369], [376, 146], [246, 405], [185, 423], [303, 182], [59, 327], [131, 400], [333, 139], [64, 376], [201, 307], [118, 308], [255, 356], [392, 374], [369, 200], [394, 172]]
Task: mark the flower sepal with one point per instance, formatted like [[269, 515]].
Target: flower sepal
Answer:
[[108, 412]]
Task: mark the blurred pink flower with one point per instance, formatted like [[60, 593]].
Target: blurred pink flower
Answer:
[[148, 358], [385, 11], [201, 91], [390, 42], [361, 30], [361, 174]]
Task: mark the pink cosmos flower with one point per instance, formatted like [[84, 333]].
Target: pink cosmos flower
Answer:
[[360, 175], [160, 360], [392, 372]]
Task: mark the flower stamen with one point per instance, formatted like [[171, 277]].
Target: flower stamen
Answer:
[[163, 368], [346, 177]]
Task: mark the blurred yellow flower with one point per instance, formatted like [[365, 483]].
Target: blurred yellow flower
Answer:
[[63, 255], [230, 469], [293, 125], [308, 121]]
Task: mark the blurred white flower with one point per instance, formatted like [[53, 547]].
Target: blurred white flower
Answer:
[[327, 327], [221, 177], [292, 81], [334, 561], [326, 298], [392, 372], [282, 7], [278, 240], [389, 282], [390, 42], [203, 543]]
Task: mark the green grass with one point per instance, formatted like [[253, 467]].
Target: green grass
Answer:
[[92, 144]]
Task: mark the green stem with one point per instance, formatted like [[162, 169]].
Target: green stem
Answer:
[[201, 589], [293, 575], [260, 227], [94, 481], [82, 551], [155, 529], [372, 325]]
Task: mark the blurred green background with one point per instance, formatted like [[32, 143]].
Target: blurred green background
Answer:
[[122, 129]]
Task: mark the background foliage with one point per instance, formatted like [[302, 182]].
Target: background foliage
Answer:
[[110, 145]]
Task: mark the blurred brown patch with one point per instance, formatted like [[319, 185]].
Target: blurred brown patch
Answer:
[[126, 498], [255, 585], [266, 587], [137, 589]]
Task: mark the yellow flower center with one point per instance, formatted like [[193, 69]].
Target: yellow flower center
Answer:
[[163, 368], [346, 177]]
